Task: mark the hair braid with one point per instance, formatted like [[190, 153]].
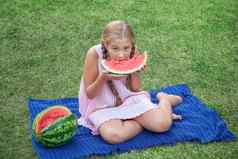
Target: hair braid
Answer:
[[109, 82], [117, 29]]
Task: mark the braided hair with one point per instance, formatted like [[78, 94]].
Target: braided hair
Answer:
[[117, 29], [110, 83]]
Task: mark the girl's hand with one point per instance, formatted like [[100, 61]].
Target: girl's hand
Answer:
[[143, 69]]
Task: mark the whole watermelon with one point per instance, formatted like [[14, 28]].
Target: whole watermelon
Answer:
[[54, 126]]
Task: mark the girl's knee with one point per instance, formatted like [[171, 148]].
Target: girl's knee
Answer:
[[112, 135], [165, 125], [162, 125]]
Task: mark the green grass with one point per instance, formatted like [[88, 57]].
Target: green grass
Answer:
[[43, 45]]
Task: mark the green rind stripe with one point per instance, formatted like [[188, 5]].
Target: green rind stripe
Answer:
[[57, 141], [61, 126]]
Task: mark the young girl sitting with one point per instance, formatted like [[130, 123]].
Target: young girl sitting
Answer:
[[116, 107]]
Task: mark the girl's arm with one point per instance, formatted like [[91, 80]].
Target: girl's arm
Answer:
[[136, 82], [93, 80]]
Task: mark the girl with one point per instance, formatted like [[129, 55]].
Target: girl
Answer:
[[116, 107]]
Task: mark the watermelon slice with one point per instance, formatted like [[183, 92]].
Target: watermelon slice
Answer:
[[49, 116], [125, 67]]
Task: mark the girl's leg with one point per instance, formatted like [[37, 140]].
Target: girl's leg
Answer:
[[174, 100], [160, 119], [117, 131]]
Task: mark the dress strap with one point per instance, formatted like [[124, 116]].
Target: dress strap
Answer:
[[98, 49]]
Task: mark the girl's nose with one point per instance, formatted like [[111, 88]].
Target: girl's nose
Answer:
[[121, 56]]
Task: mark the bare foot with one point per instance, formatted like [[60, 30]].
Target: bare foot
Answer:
[[173, 99], [176, 117]]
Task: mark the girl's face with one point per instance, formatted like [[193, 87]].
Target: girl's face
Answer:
[[119, 49]]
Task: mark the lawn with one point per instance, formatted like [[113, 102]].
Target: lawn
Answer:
[[43, 44]]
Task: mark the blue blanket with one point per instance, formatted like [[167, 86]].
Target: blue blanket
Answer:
[[200, 124]]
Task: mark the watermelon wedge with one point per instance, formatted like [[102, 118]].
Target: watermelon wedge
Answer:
[[125, 67]]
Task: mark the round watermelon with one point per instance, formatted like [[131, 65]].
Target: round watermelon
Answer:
[[125, 67], [54, 126]]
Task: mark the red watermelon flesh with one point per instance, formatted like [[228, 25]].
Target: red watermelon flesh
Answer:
[[49, 117], [125, 66]]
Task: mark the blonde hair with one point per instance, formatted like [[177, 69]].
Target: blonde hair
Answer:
[[117, 29]]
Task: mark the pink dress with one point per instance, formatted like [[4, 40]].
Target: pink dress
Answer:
[[96, 111]]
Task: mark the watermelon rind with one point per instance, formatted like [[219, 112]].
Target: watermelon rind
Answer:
[[116, 73]]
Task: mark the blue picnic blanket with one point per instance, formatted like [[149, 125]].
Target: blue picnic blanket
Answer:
[[200, 124]]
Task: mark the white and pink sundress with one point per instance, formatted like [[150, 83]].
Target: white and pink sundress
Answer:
[[94, 112]]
